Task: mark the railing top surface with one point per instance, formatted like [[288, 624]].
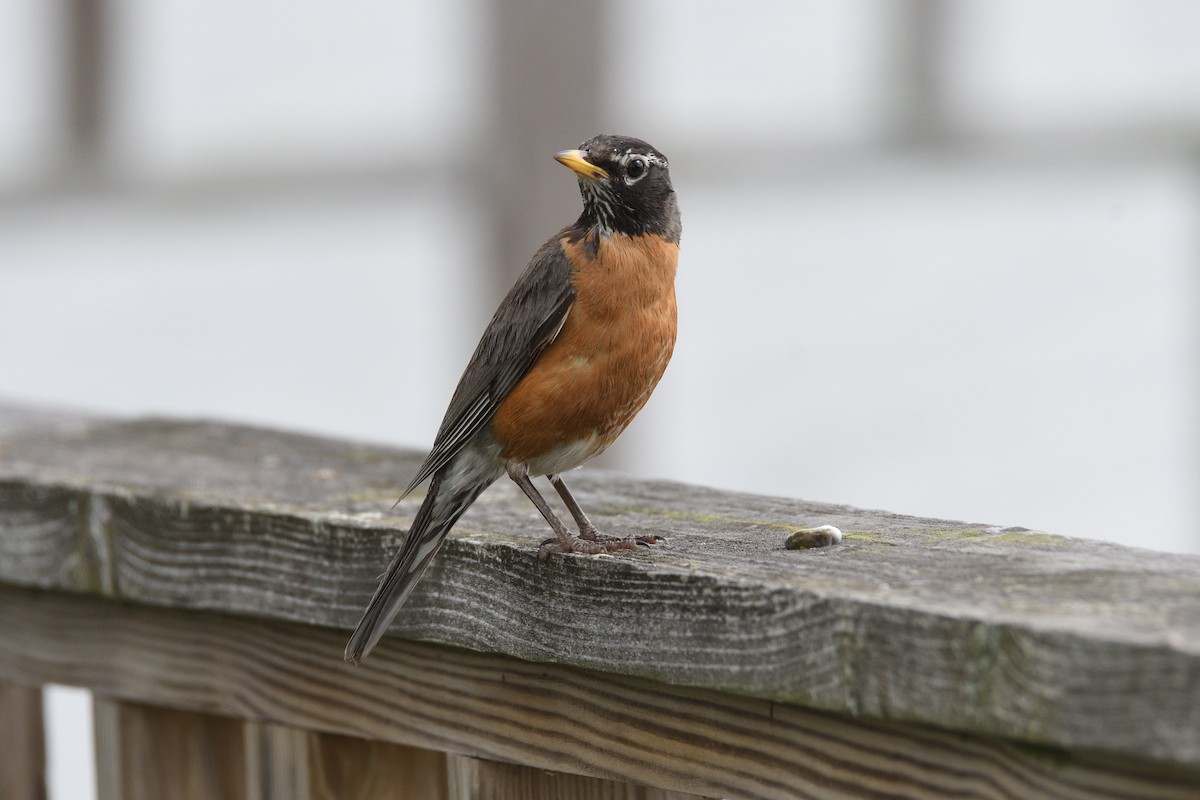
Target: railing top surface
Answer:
[[1065, 642]]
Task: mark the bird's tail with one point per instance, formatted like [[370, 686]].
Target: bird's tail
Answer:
[[443, 505]]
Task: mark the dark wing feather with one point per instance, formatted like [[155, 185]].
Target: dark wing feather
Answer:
[[526, 322]]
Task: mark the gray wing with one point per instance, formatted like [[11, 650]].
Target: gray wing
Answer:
[[526, 322]]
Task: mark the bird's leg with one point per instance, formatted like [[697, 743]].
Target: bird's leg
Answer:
[[564, 541], [560, 530], [587, 530]]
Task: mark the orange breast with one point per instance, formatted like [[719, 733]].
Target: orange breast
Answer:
[[608, 357]]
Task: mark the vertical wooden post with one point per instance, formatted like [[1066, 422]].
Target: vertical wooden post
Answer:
[[289, 764], [150, 753], [477, 779], [917, 91], [87, 36], [22, 743], [276, 762], [345, 767], [545, 97]]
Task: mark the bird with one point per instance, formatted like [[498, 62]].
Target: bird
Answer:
[[570, 356]]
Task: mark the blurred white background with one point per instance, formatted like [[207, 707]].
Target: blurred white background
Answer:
[[937, 258]]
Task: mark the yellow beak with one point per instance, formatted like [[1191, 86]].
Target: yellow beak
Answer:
[[577, 161]]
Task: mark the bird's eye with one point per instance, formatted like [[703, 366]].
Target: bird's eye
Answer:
[[636, 168]]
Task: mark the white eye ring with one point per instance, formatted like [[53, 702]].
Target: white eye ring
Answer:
[[636, 169]]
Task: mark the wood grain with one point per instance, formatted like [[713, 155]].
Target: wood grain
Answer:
[[276, 761], [350, 768], [477, 779], [999, 632], [22, 743], [544, 716], [145, 752]]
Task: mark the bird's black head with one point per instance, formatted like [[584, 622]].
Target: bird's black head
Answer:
[[626, 186]]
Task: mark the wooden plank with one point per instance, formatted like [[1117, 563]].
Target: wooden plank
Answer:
[[476, 779], [350, 767], [966, 627], [285, 763], [1001, 632], [145, 752], [18, 419], [276, 763], [545, 716], [22, 743]]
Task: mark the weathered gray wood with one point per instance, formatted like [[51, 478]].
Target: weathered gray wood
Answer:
[[22, 743], [544, 716], [1002, 632], [19, 418]]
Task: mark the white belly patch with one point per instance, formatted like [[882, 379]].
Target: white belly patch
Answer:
[[565, 457]]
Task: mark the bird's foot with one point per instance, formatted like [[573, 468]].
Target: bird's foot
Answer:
[[589, 533], [592, 542]]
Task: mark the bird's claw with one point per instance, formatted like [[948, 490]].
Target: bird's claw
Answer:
[[594, 543]]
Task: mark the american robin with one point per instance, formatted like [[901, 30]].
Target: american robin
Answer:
[[569, 358]]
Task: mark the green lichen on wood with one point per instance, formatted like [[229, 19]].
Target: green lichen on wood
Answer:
[[707, 519]]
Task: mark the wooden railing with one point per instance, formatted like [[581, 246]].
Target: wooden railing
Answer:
[[201, 580]]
